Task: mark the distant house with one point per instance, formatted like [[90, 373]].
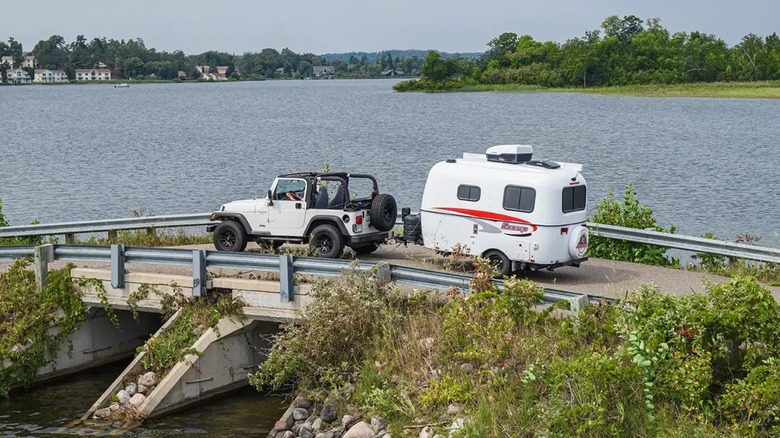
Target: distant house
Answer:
[[393, 73], [205, 72], [93, 74], [30, 62], [280, 71], [7, 61], [46, 76], [181, 75], [17, 76], [222, 72], [323, 70]]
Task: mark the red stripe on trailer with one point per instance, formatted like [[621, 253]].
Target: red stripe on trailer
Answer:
[[486, 215]]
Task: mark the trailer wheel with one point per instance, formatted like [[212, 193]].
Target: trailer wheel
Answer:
[[230, 236], [383, 212], [500, 261]]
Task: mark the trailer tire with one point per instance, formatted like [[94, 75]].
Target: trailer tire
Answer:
[[500, 261], [384, 211], [326, 241], [230, 236]]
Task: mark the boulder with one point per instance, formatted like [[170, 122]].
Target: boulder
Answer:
[[281, 425], [301, 402], [123, 396], [347, 420], [147, 379], [305, 432], [330, 412], [102, 413], [454, 409], [378, 424], [360, 430], [114, 407], [426, 432], [131, 389], [300, 414], [142, 389], [316, 425], [136, 400], [289, 434]]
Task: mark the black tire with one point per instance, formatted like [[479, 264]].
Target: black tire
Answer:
[[383, 212], [500, 261], [230, 236], [365, 249], [326, 241]]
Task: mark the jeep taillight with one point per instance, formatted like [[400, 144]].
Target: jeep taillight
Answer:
[[359, 220]]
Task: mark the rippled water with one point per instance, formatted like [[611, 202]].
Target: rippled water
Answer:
[[51, 410], [92, 151]]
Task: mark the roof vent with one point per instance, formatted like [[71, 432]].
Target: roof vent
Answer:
[[510, 153]]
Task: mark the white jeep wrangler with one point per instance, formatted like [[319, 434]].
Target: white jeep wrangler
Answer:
[[313, 208]]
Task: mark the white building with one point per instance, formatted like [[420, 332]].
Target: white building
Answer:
[[7, 59], [43, 75], [93, 74], [30, 62], [17, 76]]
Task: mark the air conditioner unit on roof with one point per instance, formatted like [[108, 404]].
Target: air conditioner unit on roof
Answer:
[[510, 153]]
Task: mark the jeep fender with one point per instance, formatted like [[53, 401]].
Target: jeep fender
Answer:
[[236, 217], [320, 220]]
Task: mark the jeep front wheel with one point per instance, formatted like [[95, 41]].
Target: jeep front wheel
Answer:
[[326, 241], [230, 236]]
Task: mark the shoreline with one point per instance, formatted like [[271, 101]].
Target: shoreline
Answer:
[[719, 90]]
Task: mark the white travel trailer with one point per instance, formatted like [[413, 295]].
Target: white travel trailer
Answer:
[[521, 214]]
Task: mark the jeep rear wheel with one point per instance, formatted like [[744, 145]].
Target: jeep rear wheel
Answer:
[[326, 241], [383, 212], [230, 236]]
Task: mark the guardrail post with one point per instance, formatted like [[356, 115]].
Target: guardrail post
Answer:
[[383, 274], [286, 279], [578, 304], [118, 266], [199, 274], [70, 239], [44, 254], [113, 235]]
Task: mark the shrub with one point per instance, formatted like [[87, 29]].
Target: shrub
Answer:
[[629, 213]]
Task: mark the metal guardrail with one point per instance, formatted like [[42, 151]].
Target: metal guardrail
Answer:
[[286, 265], [676, 241], [687, 243]]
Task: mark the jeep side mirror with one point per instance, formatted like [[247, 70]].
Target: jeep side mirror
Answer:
[[270, 199]]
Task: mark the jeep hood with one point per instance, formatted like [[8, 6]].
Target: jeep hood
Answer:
[[245, 205]]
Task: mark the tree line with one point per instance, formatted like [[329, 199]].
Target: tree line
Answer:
[[133, 59], [624, 51]]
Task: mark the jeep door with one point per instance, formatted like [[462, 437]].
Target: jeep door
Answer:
[[287, 215]]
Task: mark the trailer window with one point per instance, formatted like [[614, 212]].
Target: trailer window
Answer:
[[574, 199], [469, 193], [519, 199]]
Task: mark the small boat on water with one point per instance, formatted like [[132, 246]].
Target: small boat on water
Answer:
[[121, 85]]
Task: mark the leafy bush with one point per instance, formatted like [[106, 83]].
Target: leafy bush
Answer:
[[629, 213], [26, 316], [327, 347]]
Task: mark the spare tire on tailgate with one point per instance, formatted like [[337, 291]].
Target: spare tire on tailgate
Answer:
[[383, 212]]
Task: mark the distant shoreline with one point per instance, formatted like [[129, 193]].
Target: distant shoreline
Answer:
[[722, 90]]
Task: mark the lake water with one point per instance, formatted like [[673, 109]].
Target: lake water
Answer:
[[83, 152]]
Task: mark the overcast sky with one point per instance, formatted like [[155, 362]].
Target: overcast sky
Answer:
[[324, 26]]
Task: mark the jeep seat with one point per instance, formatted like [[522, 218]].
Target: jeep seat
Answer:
[[339, 199], [321, 198]]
